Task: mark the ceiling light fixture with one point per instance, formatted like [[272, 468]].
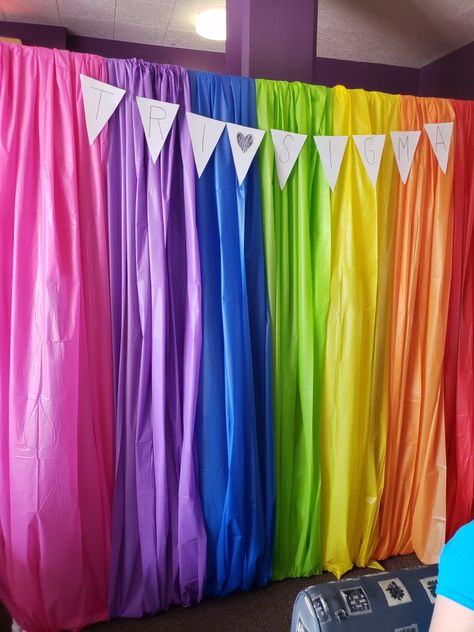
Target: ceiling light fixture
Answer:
[[211, 24]]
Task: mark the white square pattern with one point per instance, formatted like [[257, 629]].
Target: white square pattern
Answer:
[[395, 592]]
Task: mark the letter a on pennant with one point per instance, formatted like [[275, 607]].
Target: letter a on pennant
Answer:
[[370, 148], [331, 151], [404, 147], [288, 146], [100, 101], [157, 119], [205, 133], [440, 139], [244, 143]]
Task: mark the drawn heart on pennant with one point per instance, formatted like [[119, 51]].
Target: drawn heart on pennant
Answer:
[[244, 141]]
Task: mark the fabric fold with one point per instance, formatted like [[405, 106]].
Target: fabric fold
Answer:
[[158, 536], [413, 510], [297, 227], [354, 403], [459, 348], [234, 423], [56, 396]]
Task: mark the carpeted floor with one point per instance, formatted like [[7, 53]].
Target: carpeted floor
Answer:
[[263, 610]]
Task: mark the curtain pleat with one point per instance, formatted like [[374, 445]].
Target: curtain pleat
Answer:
[[234, 422], [56, 397], [297, 230], [459, 350], [413, 512], [158, 536], [354, 409]]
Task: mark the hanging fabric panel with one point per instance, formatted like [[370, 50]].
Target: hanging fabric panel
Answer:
[[298, 250], [354, 409], [459, 351], [413, 512], [234, 423], [159, 542], [356, 445], [56, 396]]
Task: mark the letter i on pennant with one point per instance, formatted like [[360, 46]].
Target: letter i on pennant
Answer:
[[205, 133], [157, 119], [331, 152]]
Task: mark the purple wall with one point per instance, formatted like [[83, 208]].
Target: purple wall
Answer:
[[58, 37], [325, 71], [195, 59], [280, 48], [451, 76], [35, 35], [352, 74]]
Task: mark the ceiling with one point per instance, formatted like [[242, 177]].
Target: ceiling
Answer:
[[400, 32]]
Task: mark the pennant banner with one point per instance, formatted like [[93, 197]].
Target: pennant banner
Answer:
[[404, 147], [205, 133], [370, 148], [287, 146], [331, 151], [100, 101], [157, 119], [244, 143], [440, 139]]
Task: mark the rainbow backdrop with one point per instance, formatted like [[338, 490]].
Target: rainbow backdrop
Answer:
[[284, 378]]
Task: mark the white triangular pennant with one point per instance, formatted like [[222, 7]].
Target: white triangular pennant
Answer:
[[100, 100], [288, 146], [244, 143], [157, 119], [440, 139], [205, 133], [331, 151], [404, 147], [370, 147]]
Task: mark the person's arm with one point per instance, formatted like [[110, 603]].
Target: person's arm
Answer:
[[454, 606], [449, 616]]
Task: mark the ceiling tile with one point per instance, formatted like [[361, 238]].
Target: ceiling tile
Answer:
[[410, 33], [190, 39], [150, 13], [361, 35], [104, 11], [458, 32], [34, 11], [440, 9], [89, 28], [139, 34]]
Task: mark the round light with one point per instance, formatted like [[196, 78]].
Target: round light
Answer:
[[211, 24]]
